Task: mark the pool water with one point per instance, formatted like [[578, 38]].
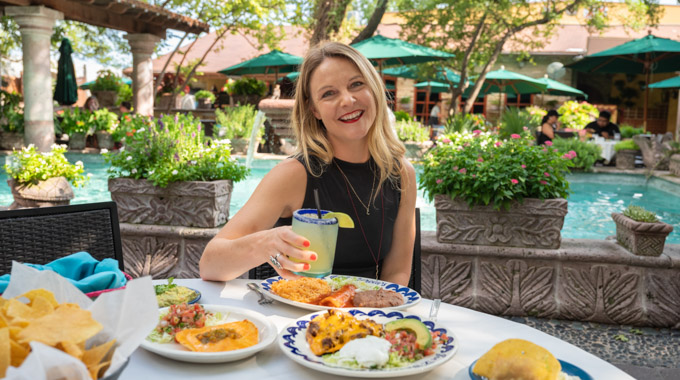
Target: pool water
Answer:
[[594, 197]]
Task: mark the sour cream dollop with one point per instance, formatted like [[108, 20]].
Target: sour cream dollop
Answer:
[[368, 352]]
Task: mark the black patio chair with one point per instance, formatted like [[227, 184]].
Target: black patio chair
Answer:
[[266, 271], [41, 235]]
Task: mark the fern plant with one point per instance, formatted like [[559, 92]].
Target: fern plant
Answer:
[[513, 121], [640, 214]]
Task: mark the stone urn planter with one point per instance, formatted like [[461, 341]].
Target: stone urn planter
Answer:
[[239, 145], [416, 150], [246, 99], [11, 140], [106, 98], [532, 224], [674, 166], [104, 140], [76, 141], [625, 158], [204, 104], [55, 191], [642, 239], [190, 204]]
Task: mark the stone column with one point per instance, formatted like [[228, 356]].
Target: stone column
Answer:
[[142, 45], [35, 25]]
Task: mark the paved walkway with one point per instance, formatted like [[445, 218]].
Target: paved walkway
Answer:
[[644, 353]]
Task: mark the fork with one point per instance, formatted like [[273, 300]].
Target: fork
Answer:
[[434, 310], [264, 300]]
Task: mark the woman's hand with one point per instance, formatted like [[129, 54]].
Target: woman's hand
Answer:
[[281, 245]]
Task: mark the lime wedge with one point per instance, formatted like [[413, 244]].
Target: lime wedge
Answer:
[[344, 220]]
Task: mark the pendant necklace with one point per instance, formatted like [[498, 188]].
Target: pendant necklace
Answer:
[[370, 199]]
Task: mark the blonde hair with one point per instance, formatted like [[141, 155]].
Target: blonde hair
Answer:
[[383, 145]]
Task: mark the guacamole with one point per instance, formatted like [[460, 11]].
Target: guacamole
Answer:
[[175, 295]]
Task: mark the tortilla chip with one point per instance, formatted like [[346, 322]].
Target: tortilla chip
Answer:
[[96, 369], [17, 310], [32, 295], [71, 349], [5, 351], [18, 353], [66, 324], [94, 356], [41, 306], [3, 321]]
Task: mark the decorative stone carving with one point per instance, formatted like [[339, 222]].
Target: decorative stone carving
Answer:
[[279, 135], [674, 165], [643, 239], [654, 150], [76, 141], [534, 223], [56, 191], [11, 140], [192, 203], [145, 256], [106, 98], [625, 158], [104, 140], [447, 279], [662, 299]]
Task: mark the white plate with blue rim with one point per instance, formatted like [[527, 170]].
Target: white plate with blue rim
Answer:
[[293, 343], [411, 297]]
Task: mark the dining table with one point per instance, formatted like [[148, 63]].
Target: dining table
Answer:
[[607, 149], [475, 333]]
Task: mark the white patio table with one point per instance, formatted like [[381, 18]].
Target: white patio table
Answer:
[[608, 151], [476, 332]]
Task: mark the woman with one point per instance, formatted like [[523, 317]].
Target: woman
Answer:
[[91, 104], [548, 127], [349, 152]]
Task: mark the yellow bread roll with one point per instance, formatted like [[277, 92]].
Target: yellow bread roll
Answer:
[[518, 359]]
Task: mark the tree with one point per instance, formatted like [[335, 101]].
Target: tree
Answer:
[[329, 16], [476, 31]]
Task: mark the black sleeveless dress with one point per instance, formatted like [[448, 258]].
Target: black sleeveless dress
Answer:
[[542, 137], [352, 253]]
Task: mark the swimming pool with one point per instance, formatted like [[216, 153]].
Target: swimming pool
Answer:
[[594, 197]]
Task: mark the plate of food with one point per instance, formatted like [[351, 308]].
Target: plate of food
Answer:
[[173, 294], [367, 343], [517, 357], [339, 291], [209, 333]]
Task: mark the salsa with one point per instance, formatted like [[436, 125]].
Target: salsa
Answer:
[[182, 316]]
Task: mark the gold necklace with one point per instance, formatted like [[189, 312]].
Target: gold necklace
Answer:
[[367, 207]]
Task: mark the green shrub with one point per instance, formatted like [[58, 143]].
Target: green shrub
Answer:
[[586, 153], [405, 100], [626, 145], [536, 114], [460, 122], [204, 94], [77, 120], [30, 166], [628, 131], [11, 114], [124, 94], [639, 214], [104, 120], [171, 149], [247, 86], [106, 81], [513, 121], [235, 122], [576, 115], [411, 130], [402, 115], [129, 124]]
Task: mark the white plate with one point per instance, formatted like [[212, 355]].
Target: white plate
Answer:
[[266, 333], [293, 343], [411, 297]]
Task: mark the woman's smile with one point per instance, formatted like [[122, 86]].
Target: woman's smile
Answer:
[[351, 117]]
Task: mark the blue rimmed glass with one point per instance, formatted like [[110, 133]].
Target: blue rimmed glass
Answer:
[[322, 235]]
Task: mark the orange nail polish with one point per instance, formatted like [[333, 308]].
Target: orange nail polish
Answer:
[[313, 256], [306, 243], [306, 267]]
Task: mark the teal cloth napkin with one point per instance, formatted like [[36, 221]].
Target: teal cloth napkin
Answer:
[[82, 270]]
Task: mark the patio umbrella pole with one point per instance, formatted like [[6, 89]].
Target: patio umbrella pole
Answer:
[[677, 120], [647, 73]]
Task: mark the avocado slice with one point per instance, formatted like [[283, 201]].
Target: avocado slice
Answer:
[[423, 335]]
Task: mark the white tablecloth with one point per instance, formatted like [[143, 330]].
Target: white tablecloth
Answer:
[[477, 332], [607, 146]]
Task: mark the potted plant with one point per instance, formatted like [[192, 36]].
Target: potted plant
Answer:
[[489, 191], [42, 179], [640, 231], [105, 123], [105, 88], [416, 138], [236, 124], [11, 121], [247, 90], [405, 103], [167, 170], [77, 124], [205, 99], [626, 151]]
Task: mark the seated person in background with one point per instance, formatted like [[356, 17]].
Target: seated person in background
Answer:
[[548, 127], [435, 119], [125, 107], [91, 104], [188, 101], [603, 126]]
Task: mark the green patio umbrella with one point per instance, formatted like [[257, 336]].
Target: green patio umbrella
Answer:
[[641, 56], [86, 85], [385, 51], [559, 88], [274, 62], [671, 83], [433, 87], [66, 90], [510, 82], [292, 76]]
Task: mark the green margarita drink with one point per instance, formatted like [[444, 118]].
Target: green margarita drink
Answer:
[[322, 235]]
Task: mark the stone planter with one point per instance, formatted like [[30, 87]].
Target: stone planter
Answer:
[[76, 141], [55, 191], [239, 145], [204, 104], [642, 239], [164, 101], [532, 224], [416, 150], [104, 140], [674, 166], [246, 99], [625, 158], [11, 140], [106, 98], [190, 204]]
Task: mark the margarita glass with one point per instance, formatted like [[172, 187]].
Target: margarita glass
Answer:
[[322, 235]]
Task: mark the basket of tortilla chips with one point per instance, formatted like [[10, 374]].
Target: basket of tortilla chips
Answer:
[[50, 329]]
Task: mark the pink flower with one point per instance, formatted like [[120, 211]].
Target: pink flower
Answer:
[[515, 136], [543, 182], [455, 168], [546, 174], [480, 159], [545, 150], [524, 166], [446, 140], [466, 144], [572, 153], [514, 181], [463, 171], [555, 150], [567, 156], [439, 181], [476, 131], [525, 128], [474, 176], [498, 143], [548, 143]]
